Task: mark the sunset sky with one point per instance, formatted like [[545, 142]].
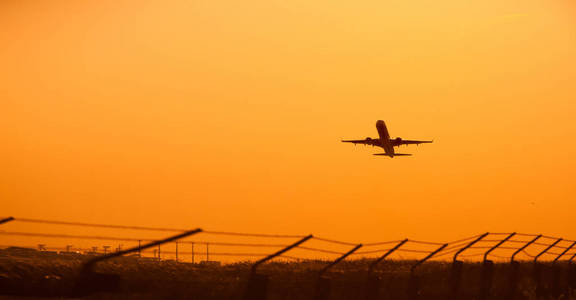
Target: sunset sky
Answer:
[[228, 115]]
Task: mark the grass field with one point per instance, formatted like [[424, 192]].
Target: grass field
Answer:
[[56, 275]]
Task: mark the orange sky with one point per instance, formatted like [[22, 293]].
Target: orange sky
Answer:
[[228, 115]]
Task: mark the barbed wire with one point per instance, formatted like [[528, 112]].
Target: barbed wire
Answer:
[[508, 248], [464, 239], [42, 221], [334, 241], [457, 246], [122, 239], [220, 253], [69, 236], [516, 241], [527, 234], [549, 237], [444, 253], [528, 254], [370, 251], [320, 250], [235, 244], [253, 234], [472, 255], [382, 243], [555, 246], [490, 241], [499, 256], [425, 242], [28, 220], [413, 251]]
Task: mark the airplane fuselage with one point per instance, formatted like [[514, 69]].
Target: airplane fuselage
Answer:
[[383, 141], [384, 138]]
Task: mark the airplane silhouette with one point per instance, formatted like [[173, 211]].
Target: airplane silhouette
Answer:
[[385, 142]]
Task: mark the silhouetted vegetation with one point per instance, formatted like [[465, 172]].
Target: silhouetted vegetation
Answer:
[[33, 273]]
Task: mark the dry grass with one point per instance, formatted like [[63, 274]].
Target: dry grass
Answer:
[[56, 276]]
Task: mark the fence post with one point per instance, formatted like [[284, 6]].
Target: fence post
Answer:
[[557, 285], [192, 252], [257, 287], [542, 288], [381, 258], [515, 270], [488, 269], [6, 220], [564, 252], [373, 281], [323, 284], [414, 281], [457, 265], [176, 251], [571, 276], [89, 281]]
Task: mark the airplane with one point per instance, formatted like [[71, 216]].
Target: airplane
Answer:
[[385, 142]]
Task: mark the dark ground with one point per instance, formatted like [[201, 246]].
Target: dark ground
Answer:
[[38, 274]]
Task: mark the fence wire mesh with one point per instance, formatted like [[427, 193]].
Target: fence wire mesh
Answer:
[[80, 238]]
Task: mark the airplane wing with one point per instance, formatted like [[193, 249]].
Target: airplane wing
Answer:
[[398, 142], [367, 141]]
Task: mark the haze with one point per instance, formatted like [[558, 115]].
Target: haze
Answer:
[[228, 115]]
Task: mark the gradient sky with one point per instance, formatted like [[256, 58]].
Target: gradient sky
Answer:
[[228, 115]]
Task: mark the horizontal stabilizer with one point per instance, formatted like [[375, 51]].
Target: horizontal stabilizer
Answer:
[[395, 154]]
